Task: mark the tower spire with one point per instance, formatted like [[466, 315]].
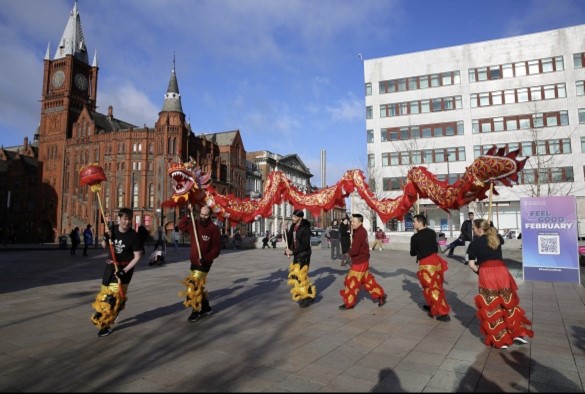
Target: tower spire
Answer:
[[72, 41], [173, 97]]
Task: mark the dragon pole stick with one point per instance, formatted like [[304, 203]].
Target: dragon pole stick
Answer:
[[490, 203], [93, 175], [195, 231], [284, 230]]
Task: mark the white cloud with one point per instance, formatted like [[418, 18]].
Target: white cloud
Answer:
[[129, 104], [347, 108]]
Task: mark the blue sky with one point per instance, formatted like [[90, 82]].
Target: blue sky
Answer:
[[286, 73]]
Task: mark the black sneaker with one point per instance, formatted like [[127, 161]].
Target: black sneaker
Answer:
[[194, 316], [206, 312], [382, 300], [344, 308], [444, 318], [520, 341], [104, 332], [426, 308], [305, 302]]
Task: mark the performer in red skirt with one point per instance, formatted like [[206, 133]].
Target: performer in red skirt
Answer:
[[431, 268], [503, 322]]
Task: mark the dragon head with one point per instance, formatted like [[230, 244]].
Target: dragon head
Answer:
[[188, 184]]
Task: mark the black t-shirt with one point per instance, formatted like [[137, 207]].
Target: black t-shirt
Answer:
[[423, 243], [479, 250], [125, 244]]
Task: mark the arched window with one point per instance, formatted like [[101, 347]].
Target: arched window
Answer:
[[107, 195], [151, 195], [135, 195], [120, 196]]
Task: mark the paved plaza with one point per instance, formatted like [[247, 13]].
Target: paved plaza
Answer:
[[259, 340]]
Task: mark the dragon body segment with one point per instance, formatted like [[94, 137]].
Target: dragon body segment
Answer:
[[192, 187]]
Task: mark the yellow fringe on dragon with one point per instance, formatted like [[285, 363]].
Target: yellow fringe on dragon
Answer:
[[195, 292], [298, 278], [108, 304]]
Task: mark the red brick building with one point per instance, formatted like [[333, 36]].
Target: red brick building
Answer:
[[72, 134]]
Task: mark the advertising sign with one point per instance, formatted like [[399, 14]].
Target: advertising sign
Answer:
[[549, 235]]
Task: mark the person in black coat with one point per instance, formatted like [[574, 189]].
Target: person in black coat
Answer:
[[465, 236], [345, 240], [299, 247]]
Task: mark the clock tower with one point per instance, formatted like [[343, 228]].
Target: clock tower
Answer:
[[69, 85]]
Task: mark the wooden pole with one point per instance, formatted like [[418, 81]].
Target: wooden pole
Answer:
[[195, 230], [490, 204]]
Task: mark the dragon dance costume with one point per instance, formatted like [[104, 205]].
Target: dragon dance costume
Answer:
[[299, 242], [501, 317], [210, 244], [111, 300], [431, 271], [359, 274]]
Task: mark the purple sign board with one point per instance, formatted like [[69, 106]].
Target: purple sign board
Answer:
[[549, 239]]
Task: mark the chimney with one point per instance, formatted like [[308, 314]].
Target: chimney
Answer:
[[110, 112]]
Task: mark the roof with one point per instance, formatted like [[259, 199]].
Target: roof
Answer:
[[72, 42], [223, 138], [107, 124]]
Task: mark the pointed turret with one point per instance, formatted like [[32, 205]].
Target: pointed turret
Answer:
[[72, 42], [47, 55], [95, 62], [173, 97]]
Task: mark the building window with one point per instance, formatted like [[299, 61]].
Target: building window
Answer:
[[385, 160], [370, 136], [368, 89], [151, 195], [581, 115], [371, 160], [369, 112], [120, 196], [135, 195], [579, 60]]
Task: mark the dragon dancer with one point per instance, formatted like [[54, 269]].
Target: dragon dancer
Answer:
[[205, 247], [431, 269], [128, 249], [299, 246], [359, 274]]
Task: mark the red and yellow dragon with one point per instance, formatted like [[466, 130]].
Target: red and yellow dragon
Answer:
[[192, 187]]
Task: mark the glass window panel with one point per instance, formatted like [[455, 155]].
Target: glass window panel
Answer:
[[529, 176], [450, 130], [385, 159], [425, 106], [382, 87], [533, 67], [456, 77], [541, 148], [427, 156], [486, 127], [476, 151], [438, 131], [535, 93], [369, 89], [369, 112], [414, 107], [495, 72], [484, 99], [538, 120], [458, 102], [426, 132], [447, 79], [552, 120], [415, 132], [460, 128], [497, 98], [473, 100], [482, 74], [472, 75], [448, 103], [384, 135], [461, 153], [437, 104], [383, 112], [393, 136], [524, 123], [509, 96], [580, 88], [499, 124], [566, 145], [569, 174], [549, 92], [412, 83], [451, 154], [564, 118], [554, 147], [543, 176], [423, 82], [439, 155], [577, 62], [512, 146], [559, 64], [401, 85], [417, 157], [394, 158], [581, 115], [507, 71], [404, 134], [371, 161], [475, 126], [547, 65], [403, 108], [391, 86], [556, 175], [435, 80], [522, 95], [370, 136], [583, 144], [561, 91], [520, 69], [511, 124], [526, 149]]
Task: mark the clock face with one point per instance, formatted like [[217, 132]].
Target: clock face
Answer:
[[58, 79], [81, 82]]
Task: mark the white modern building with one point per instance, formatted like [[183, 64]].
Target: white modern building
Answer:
[[443, 108]]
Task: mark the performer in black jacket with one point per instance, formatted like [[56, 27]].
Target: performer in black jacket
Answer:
[[345, 240], [299, 246], [465, 236]]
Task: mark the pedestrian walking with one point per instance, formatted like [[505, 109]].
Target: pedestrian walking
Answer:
[[466, 235], [175, 237], [332, 235], [345, 240], [299, 247], [75, 240], [87, 238]]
